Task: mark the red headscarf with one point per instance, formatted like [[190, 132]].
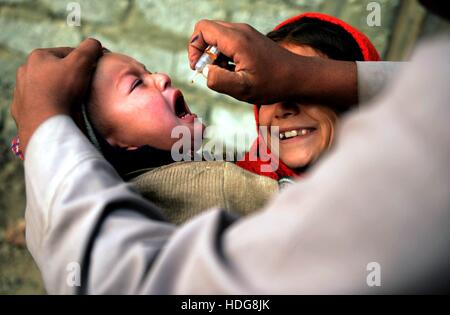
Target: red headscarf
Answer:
[[254, 160]]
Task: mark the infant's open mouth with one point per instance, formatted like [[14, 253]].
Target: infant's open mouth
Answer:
[[181, 108]]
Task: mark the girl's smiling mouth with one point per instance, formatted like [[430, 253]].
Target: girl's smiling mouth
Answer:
[[292, 133]]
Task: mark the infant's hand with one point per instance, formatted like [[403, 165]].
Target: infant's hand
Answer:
[[50, 83]]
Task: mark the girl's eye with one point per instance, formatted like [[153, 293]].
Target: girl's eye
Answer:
[[136, 84]]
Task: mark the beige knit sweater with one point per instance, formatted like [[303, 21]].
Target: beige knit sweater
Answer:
[[185, 189]]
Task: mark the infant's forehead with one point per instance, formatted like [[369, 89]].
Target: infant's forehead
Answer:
[[117, 59], [111, 65]]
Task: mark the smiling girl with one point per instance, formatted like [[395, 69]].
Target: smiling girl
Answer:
[[306, 131]]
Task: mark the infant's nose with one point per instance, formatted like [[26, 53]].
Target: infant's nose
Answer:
[[162, 81]]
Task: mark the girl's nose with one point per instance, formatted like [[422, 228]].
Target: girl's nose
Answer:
[[286, 110], [162, 81]]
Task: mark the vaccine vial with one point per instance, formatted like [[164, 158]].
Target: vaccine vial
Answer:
[[209, 56]]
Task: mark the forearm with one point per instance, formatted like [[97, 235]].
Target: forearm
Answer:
[[337, 83], [321, 81], [70, 190], [79, 211]]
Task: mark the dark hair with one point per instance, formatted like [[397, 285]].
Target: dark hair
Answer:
[[330, 39]]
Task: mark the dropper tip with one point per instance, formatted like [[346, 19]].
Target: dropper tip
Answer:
[[192, 79]]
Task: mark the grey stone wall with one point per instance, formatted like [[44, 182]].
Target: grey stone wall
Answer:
[[156, 33]]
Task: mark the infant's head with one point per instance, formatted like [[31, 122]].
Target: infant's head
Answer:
[[131, 107]]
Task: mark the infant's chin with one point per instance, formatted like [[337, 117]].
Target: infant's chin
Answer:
[[165, 143], [196, 128], [199, 128]]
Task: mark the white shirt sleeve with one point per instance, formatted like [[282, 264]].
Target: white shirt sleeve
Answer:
[[373, 77], [70, 188], [374, 211]]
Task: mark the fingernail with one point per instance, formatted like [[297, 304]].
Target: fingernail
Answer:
[[205, 71], [195, 38]]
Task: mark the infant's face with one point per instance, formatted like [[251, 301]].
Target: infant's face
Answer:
[[132, 107]]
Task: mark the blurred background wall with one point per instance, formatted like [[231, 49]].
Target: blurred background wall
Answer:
[[156, 32]]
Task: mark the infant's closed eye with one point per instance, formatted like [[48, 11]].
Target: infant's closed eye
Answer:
[[136, 83]]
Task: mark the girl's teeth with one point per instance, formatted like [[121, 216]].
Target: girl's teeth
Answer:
[[290, 134], [294, 133]]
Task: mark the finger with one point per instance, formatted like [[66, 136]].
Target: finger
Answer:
[[12, 109], [227, 82], [85, 56], [197, 42], [60, 52], [20, 77], [223, 23], [206, 33], [196, 48]]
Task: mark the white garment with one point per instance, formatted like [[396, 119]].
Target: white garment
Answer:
[[382, 195], [373, 76]]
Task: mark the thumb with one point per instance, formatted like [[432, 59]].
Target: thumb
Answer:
[[224, 81], [85, 56]]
